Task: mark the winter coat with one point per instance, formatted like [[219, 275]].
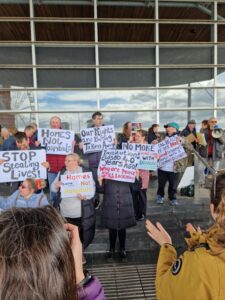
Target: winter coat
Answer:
[[8, 144], [218, 146], [198, 274], [88, 217], [93, 290], [117, 208], [16, 200], [186, 131], [152, 137]]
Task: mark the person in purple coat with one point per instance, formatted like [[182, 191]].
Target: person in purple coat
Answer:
[[41, 258]]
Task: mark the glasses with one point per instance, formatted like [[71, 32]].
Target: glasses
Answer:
[[214, 122]]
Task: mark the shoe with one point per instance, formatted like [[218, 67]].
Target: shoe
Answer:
[[111, 255], [159, 199], [123, 255], [141, 218], [174, 202]]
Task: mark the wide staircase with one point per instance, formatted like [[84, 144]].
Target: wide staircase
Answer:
[[135, 278]]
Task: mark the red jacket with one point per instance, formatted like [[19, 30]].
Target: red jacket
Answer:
[[56, 162]]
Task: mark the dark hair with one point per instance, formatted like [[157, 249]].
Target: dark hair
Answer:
[[125, 131], [151, 129], [36, 260], [218, 200], [97, 113], [20, 136], [205, 122]]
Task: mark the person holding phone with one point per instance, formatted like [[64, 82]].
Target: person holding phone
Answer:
[[41, 258], [200, 271]]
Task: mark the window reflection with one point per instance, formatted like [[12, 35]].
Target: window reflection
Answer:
[[145, 99], [67, 100]]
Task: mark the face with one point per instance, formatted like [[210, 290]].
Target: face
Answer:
[[55, 123], [29, 132], [212, 122], [24, 145], [25, 189], [97, 121], [191, 126], [4, 133], [156, 129], [139, 139], [171, 130], [71, 163], [204, 126]]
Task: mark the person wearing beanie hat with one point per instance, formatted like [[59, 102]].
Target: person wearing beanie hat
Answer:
[[190, 130]]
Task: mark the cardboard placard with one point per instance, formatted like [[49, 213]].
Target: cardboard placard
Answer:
[[21, 164]]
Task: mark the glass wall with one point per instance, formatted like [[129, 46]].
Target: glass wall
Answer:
[[133, 60]]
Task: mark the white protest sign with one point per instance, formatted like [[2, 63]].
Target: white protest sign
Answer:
[[95, 139], [56, 141], [148, 155], [21, 164], [118, 165], [170, 149], [75, 184]]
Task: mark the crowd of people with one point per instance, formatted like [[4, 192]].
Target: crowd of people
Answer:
[[123, 205]]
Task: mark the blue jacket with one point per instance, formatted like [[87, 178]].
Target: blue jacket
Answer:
[[16, 200], [9, 144]]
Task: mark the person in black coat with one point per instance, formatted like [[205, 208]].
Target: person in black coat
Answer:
[[117, 214], [153, 134], [190, 129]]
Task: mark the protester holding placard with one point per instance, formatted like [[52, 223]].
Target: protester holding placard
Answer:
[[169, 171], [22, 144], [78, 210], [140, 194], [56, 161], [117, 214], [29, 194], [126, 135], [94, 158], [189, 132]]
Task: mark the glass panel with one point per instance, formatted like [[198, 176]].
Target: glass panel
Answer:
[[173, 98], [19, 121], [221, 118], [16, 77], [185, 55], [185, 76], [64, 32], [128, 99], [65, 55], [126, 32], [15, 55], [15, 31], [172, 116], [70, 78], [221, 10], [200, 115], [185, 10], [221, 55], [184, 33], [17, 100], [221, 97], [67, 100], [127, 78], [220, 79], [15, 10], [129, 56], [201, 97]]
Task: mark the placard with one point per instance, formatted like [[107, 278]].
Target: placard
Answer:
[[56, 141], [148, 155], [170, 149], [95, 139], [118, 165], [21, 164], [75, 184]]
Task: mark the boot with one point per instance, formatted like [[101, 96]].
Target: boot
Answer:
[[111, 256]]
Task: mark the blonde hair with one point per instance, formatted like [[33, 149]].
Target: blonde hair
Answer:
[[36, 183], [77, 157]]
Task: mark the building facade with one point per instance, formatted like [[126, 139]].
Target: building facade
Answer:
[[140, 60]]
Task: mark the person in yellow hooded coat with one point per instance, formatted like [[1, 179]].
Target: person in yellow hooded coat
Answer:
[[199, 273]]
